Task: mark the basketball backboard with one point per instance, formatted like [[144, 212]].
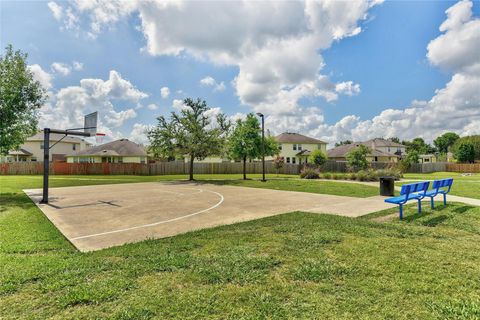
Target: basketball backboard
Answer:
[[90, 124]]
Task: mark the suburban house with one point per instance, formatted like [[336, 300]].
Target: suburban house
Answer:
[[381, 150], [296, 148], [118, 151], [32, 148]]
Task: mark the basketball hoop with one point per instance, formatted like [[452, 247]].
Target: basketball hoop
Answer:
[[99, 137]]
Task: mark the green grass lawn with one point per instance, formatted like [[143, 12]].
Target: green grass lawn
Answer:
[[281, 182], [464, 186], [297, 265]]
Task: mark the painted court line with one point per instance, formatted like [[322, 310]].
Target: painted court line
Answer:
[[160, 222]]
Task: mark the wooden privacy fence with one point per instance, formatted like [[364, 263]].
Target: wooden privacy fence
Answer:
[[162, 168], [459, 167], [165, 168]]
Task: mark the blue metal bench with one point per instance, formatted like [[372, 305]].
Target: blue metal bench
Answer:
[[412, 191], [442, 186]]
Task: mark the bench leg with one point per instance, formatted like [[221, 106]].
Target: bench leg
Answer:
[[401, 211], [419, 206], [445, 199], [432, 203]]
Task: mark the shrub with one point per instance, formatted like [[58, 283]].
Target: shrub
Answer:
[[357, 158], [393, 172], [335, 176], [465, 152], [317, 157], [327, 175], [361, 175], [372, 175], [309, 173], [353, 176]]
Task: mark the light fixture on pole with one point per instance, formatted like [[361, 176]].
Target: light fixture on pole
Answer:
[[263, 145]]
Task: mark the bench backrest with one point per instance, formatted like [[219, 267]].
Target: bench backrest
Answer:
[[414, 187], [443, 183]]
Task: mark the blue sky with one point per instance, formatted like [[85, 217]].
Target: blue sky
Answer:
[[386, 61]]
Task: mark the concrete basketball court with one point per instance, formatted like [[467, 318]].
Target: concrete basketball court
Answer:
[[102, 216]]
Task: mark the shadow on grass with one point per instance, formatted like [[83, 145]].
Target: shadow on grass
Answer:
[[10, 200]]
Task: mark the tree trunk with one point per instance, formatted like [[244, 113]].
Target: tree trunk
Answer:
[[192, 157], [244, 168]]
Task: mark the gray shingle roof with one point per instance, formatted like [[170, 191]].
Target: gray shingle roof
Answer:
[[122, 147], [341, 151], [290, 137], [382, 143]]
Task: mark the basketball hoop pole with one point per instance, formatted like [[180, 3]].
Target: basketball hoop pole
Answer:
[[46, 155]]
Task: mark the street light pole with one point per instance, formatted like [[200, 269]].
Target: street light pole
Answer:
[[263, 145]]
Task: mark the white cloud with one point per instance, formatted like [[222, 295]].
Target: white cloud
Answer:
[[456, 107], [139, 133], [274, 56], [348, 88], [164, 92], [178, 104], [41, 76], [152, 106], [77, 66], [280, 63], [57, 10], [61, 68], [207, 81], [457, 49], [66, 108], [211, 82]]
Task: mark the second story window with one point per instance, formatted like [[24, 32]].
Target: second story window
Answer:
[[299, 147], [41, 145], [74, 146], [279, 146], [294, 147]]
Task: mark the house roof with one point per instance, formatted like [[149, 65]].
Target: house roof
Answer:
[[20, 152], [290, 137], [378, 142], [55, 137], [122, 147], [304, 152], [341, 151]]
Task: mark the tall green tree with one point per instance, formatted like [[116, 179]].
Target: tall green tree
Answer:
[[445, 141], [341, 143], [189, 133], [357, 158], [394, 139], [419, 145], [474, 140], [20, 99], [465, 152], [245, 142]]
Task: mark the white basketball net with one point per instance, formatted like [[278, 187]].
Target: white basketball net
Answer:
[[99, 137]]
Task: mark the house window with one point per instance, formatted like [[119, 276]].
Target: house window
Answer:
[[388, 149], [288, 159], [34, 159], [293, 160], [120, 159], [294, 147], [299, 147], [280, 146], [74, 146], [142, 159], [319, 146], [426, 160], [41, 145], [376, 159]]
